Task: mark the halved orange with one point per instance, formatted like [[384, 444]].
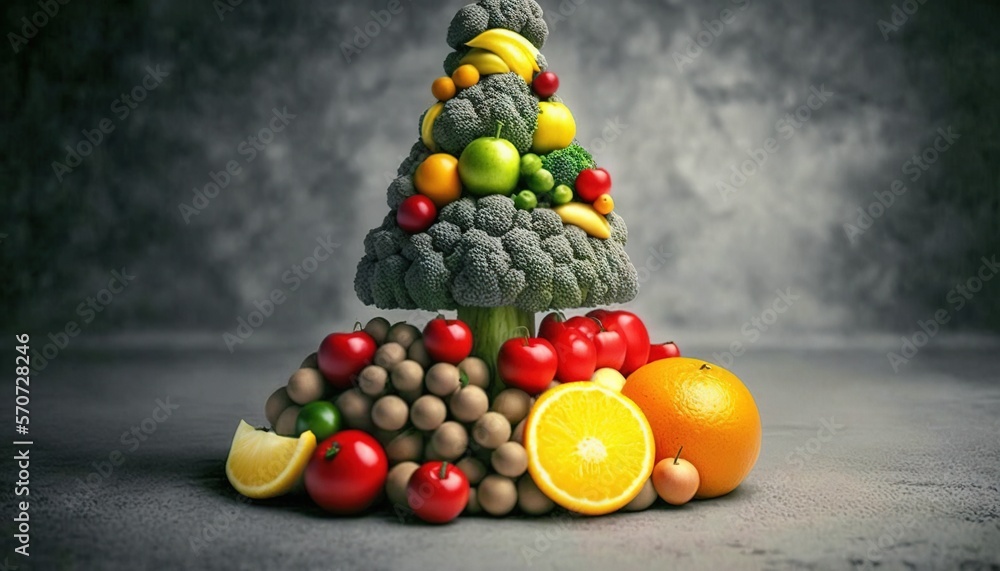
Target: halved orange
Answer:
[[590, 449], [263, 465]]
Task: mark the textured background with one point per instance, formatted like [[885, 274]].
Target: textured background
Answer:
[[908, 481], [683, 126]]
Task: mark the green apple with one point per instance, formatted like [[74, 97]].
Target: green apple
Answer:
[[490, 165], [530, 163], [562, 194]]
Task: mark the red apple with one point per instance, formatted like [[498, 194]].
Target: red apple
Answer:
[[341, 356], [666, 350], [635, 334]]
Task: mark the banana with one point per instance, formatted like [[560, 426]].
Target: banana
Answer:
[[485, 61], [584, 216], [427, 127], [514, 54], [505, 35]]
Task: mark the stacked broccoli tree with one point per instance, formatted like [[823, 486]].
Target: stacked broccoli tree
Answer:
[[498, 212]]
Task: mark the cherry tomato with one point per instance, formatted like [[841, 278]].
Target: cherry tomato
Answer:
[[666, 350], [416, 214], [635, 334], [527, 363], [545, 84], [550, 324], [447, 340], [341, 356], [347, 472], [610, 345], [577, 355], [437, 492], [592, 183]]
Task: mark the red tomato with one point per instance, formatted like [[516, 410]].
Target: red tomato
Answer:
[[341, 356], [592, 183], [437, 492], [447, 340], [586, 325], [416, 214], [550, 324], [635, 334], [527, 363], [545, 84], [666, 350], [611, 349], [577, 356], [347, 472]]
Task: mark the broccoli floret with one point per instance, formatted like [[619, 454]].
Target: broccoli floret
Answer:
[[521, 16], [418, 152], [454, 59], [485, 253], [475, 112], [399, 190], [566, 164]]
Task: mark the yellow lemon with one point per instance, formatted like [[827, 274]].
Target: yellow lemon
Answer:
[[556, 128], [262, 464]]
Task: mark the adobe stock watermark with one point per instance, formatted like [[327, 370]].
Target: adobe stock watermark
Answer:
[[655, 261], [294, 277], [786, 128], [121, 108], [957, 298], [218, 524], [914, 168], [828, 428], [711, 30], [755, 327], [31, 25], [131, 440], [87, 311], [249, 148], [899, 15], [366, 33], [610, 133]]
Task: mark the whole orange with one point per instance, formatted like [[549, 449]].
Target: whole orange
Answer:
[[437, 179], [707, 410]]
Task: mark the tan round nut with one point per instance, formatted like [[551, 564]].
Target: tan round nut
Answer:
[[443, 379], [373, 380], [276, 404], [402, 333], [377, 327], [407, 446], [407, 377], [311, 361], [389, 355], [469, 404], [418, 352], [491, 430], [450, 440], [514, 404], [428, 412], [477, 371], [518, 434], [647, 496], [497, 495], [473, 469], [390, 413], [396, 481], [356, 408], [531, 500], [306, 386], [473, 507], [286, 421], [509, 459]]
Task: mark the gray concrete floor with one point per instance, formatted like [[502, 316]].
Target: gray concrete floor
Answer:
[[907, 477]]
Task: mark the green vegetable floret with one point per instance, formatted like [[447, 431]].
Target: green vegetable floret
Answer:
[[521, 16], [484, 253], [475, 112], [566, 164]]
